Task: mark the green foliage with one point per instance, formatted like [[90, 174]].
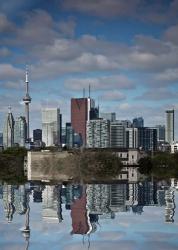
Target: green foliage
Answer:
[[12, 164], [162, 165], [15, 151], [145, 165]]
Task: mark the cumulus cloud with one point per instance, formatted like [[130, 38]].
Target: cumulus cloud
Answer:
[[100, 83], [114, 96], [171, 34], [5, 25], [155, 11], [169, 75], [8, 72], [4, 52], [103, 8], [157, 95]]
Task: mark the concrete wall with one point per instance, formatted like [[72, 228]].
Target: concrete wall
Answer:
[[44, 165]]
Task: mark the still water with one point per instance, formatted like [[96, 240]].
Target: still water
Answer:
[[127, 216]]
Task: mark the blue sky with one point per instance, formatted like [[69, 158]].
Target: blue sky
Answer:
[[126, 50]]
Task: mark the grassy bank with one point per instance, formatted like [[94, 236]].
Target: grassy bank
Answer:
[[12, 165], [162, 165]]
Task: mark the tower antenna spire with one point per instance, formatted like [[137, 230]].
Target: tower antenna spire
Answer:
[[89, 90], [83, 92], [27, 101]]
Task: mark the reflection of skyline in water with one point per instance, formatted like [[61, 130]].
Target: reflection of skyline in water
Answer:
[[88, 204]]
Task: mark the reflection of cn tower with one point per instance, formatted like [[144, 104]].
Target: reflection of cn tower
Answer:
[[26, 230], [170, 206], [27, 101]]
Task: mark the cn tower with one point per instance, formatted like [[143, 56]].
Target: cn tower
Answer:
[[27, 100]]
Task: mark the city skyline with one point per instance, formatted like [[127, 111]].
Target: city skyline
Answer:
[[126, 51]]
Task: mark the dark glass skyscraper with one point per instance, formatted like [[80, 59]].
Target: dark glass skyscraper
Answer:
[[147, 139], [37, 135], [138, 122]]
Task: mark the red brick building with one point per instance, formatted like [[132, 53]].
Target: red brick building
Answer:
[[79, 116]]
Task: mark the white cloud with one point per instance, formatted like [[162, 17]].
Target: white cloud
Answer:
[[5, 25], [100, 83], [8, 72], [113, 96]]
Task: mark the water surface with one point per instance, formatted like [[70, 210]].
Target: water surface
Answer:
[[127, 216]]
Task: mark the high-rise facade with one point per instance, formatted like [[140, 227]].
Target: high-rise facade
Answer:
[[147, 139], [69, 135], [160, 133], [98, 134], [51, 126], [108, 116], [82, 110], [37, 135], [20, 131], [117, 135], [8, 132], [170, 126], [1, 139], [27, 100], [131, 137], [138, 122]]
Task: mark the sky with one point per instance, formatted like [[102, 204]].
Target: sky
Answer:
[[126, 50]]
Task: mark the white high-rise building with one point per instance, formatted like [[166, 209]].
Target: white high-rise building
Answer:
[[51, 126], [131, 137], [98, 134], [8, 132], [20, 131], [170, 126]]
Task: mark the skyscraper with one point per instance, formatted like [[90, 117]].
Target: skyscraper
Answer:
[[27, 101], [117, 134], [82, 110], [138, 122], [20, 131], [108, 116], [131, 137], [160, 133], [170, 126], [51, 124], [69, 135], [147, 139], [98, 134], [8, 133], [1, 139], [37, 135]]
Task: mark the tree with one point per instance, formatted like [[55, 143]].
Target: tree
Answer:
[[145, 165]]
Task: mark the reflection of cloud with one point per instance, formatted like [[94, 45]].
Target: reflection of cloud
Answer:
[[154, 245], [13, 246], [111, 235], [158, 236], [102, 245]]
